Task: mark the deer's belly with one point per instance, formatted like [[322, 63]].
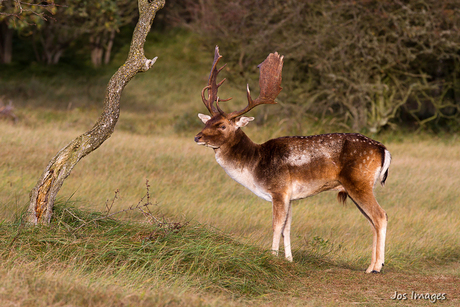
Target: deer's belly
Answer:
[[301, 190]]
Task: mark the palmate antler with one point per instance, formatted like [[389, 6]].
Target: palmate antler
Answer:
[[269, 83]]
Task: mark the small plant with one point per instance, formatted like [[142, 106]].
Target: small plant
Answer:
[[162, 226], [7, 111], [322, 247]]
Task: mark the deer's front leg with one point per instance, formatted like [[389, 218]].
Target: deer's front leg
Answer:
[[282, 224], [287, 234]]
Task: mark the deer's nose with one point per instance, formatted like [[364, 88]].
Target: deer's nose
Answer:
[[198, 137]]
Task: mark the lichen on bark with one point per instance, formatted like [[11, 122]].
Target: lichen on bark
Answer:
[[44, 193]]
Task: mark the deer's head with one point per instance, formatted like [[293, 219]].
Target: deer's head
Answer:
[[222, 128]]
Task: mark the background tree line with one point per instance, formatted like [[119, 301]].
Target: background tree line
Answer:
[[55, 26], [362, 65]]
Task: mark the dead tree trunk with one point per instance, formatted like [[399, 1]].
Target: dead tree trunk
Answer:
[[44, 193]]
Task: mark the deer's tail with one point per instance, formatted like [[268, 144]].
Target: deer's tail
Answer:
[[385, 166]]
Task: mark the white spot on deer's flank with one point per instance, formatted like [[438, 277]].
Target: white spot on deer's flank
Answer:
[[298, 159]]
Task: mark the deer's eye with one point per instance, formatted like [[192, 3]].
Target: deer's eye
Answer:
[[222, 127]]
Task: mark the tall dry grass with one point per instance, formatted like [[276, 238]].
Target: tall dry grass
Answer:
[[421, 196], [154, 141]]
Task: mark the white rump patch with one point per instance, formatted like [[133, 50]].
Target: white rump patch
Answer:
[[386, 164]]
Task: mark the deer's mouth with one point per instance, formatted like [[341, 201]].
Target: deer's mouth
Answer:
[[199, 141], [207, 145]]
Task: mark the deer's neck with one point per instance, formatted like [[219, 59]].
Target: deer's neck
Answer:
[[240, 152], [239, 158]]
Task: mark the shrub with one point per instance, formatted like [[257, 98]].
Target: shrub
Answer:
[[367, 63]]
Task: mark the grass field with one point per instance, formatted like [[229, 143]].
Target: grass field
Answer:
[[212, 249]]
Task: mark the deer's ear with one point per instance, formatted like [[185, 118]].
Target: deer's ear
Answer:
[[243, 121], [204, 118]]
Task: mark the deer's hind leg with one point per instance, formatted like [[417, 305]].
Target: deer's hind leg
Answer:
[[363, 197]]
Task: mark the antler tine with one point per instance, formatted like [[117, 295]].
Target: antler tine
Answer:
[[213, 87], [269, 83]]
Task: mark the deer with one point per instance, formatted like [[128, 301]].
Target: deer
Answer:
[[289, 168]]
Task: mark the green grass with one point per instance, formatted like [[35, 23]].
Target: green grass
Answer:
[[205, 258], [219, 255]]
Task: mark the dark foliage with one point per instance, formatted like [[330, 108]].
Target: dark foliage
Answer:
[[368, 63]]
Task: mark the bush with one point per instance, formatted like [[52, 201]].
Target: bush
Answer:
[[369, 64]]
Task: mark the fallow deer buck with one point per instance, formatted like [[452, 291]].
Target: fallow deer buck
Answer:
[[290, 168]]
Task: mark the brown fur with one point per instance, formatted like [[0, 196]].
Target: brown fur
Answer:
[[342, 197]]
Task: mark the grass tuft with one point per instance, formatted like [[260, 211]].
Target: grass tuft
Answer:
[[203, 255]]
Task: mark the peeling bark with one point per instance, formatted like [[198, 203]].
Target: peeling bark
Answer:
[[44, 193]]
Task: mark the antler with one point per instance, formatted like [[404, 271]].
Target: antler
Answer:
[[213, 87], [269, 83]]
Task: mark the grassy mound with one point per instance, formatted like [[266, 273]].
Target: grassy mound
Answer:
[[201, 256]]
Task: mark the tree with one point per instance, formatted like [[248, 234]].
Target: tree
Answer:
[[44, 193], [98, 21], [52, 38], [20, 16], [105, 18]]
